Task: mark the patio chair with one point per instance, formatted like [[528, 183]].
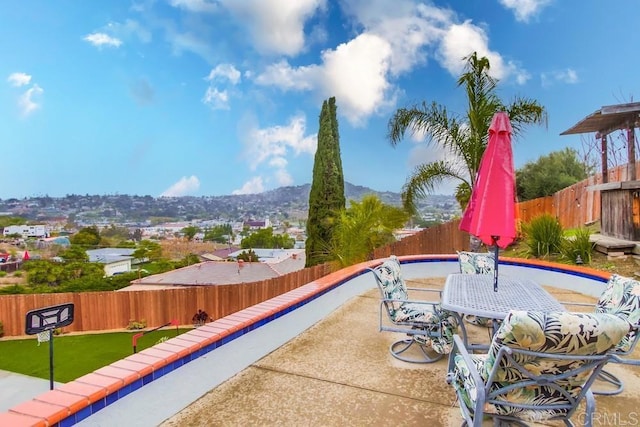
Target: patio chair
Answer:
[[622, 298], [429, 329], [539, 367], [476, 263]]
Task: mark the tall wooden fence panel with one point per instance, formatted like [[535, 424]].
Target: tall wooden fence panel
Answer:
[[100, 311], [536, 207], [442, 239], [574, 206]]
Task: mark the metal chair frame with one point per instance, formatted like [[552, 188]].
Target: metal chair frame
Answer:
[[617, 356], [492, 392], [415, 330]]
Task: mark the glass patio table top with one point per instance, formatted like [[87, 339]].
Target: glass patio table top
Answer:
[[473, 294]]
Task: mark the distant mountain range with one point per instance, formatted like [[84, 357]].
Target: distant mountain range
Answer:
[[351, 191], [284, 203]]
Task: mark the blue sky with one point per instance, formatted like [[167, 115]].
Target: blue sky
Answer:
[[214, 97]]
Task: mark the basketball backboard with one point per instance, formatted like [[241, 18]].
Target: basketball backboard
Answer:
[[47, 318]]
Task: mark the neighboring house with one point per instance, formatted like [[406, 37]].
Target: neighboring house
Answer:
[[257, 225], [211, 273], [270, 255], [58, 240], [210, 257], [26, 231], [115, 260], [224, 252]]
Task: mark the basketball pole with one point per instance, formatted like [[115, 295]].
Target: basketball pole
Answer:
[[47, 319], [50, 359]]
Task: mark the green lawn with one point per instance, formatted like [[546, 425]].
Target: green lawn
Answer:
[[73, 355]]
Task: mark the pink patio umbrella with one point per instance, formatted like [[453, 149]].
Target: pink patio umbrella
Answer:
[[491, 212]]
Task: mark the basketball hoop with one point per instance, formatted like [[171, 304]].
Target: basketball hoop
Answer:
[[42, 322], [44, 336]]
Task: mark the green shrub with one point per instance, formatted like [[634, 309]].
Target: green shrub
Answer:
[[135, 325], [577, 245], [543, 236], [17, 274], [3, 273]]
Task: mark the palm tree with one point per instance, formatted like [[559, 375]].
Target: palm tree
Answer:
[[464, 138], [361, 228]]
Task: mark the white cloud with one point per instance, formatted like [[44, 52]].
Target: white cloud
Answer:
[[407, 26], [189, 42], [275, 26], [283, 178], [282, 75], [19, 79], [269, 149], [525, 9], [394, 38], [128, 29], [265, 145], [225, 72], [28, 100], [461, 40], [355, 73], [568, 76], [522, 76], [217, 100], [253, 186], [195, 5], [102, 39], [184, 187]]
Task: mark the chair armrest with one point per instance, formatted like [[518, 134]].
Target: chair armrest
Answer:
[[578, 304], [459, 348], [423, 291], [411, 301], [439, 291], [583, 304], [623, 356]]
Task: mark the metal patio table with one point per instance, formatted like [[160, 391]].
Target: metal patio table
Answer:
[[473, 294]]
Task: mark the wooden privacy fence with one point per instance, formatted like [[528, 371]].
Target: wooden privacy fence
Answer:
[[574, 206], [99, 311], [442, 239]]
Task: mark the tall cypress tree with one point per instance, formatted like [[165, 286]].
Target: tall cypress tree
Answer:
[[327, 187]]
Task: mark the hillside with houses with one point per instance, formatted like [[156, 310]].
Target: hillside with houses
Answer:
[[282, 204]]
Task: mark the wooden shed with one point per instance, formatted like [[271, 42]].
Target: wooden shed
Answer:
[[619, 201], [620, 209]]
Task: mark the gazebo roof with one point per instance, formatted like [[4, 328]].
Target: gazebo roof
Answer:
[[607, 119]]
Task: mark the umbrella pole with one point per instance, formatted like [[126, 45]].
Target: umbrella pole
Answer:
[[495, 269]]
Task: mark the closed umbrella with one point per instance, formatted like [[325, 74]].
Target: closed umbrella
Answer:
[[491, 212]]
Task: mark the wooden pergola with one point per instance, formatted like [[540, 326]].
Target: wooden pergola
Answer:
[[619, 201], [606, 120]]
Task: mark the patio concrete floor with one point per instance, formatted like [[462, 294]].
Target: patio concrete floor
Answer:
[[340, 372]]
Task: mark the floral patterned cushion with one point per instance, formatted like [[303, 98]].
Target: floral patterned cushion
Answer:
[[441, 323], [476, 263], [555, 333], [622, 298], [393, 285]]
